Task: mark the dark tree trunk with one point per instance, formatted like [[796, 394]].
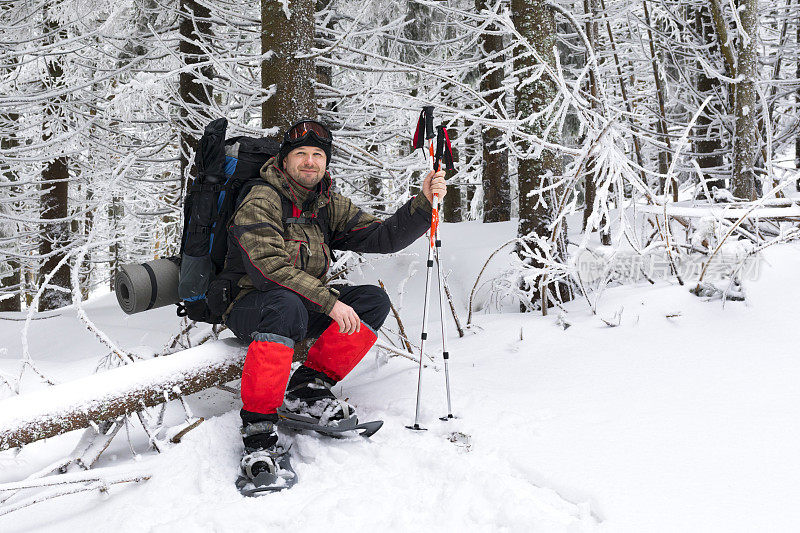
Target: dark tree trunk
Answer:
[[745, 140], [590, 180], [324, 73], [195, 96], [708, 140], [664, 156], [373, 182], [12, 288], [797, 100], [535, 21], [114, 215], [54, 236], [470, 147], [592, 33], [451, 208], [290, 78], [495, 179]]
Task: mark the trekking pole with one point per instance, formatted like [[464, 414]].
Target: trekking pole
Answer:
[[445, 353], [426, 121], [443, 151]]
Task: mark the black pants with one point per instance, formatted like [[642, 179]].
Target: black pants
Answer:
[[281, 312]]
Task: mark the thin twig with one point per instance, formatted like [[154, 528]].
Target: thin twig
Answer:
[[401, 353], [403, 336], [95, 485], [179, 435], [450, 301], [475, 285]]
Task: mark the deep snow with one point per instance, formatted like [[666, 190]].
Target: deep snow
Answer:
[[682, 418]]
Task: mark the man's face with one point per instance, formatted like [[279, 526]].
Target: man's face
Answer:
[[306, 165]]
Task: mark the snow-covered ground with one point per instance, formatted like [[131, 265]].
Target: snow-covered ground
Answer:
[[682, 418]]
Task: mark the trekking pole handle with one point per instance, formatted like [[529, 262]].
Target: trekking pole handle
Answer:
[[429, 130]]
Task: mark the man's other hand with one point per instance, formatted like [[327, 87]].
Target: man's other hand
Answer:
[[346, 317], [434, 184]]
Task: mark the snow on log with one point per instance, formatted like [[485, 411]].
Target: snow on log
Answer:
[[772, 210], [123, 390]]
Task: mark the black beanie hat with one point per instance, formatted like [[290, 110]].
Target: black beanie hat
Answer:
[[310, 138]]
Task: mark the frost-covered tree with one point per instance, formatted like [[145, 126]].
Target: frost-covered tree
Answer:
[[539, 166]]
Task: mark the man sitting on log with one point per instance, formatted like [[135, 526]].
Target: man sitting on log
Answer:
[[282, 257]]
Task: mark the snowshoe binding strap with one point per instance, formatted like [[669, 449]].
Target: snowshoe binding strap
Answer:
[[265, 471], [257, 428]]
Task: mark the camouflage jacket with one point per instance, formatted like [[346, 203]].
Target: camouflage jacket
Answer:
[[268, 253]]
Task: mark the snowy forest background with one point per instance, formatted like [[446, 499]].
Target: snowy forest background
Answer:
[[615, 142], [554, 108]]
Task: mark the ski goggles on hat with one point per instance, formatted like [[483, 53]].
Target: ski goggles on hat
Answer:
[[304, 128]]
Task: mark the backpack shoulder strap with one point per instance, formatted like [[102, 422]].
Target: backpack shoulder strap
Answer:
[[286, 204], [324, 221], [289, 214]]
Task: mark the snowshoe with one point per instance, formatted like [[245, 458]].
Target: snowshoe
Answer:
[[265, 466], [297, 422], [310, 404], [309, 396]]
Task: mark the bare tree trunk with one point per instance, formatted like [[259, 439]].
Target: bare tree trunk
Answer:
[[708, 140], [374, 186], [592, 33], [451, 206], [55, 236], [290, 78], [114, 215], [624, 92], [472, 143], [83, 228], [373, 182], [797, 101], [745, 141], [195, 27], [590, 182], [535, 22], [664, 156], [495, 179], [11, 286], [324, 73]]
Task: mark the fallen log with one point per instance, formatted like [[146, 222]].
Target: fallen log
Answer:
[[117, 392]]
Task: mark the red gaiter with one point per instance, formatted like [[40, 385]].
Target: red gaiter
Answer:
[[336, 354], [265, 374]]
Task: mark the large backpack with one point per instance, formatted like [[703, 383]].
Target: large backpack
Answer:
[[226, 171]]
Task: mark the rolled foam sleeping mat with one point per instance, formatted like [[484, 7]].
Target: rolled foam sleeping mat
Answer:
[[147, 286]]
